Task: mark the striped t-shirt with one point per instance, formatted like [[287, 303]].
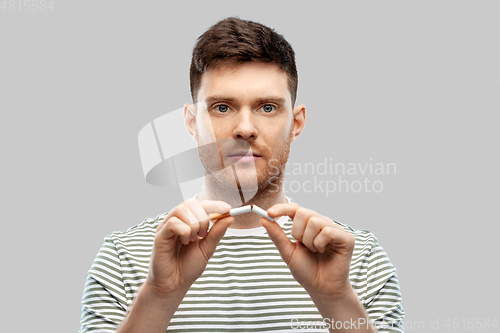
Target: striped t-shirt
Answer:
[[246, 286]]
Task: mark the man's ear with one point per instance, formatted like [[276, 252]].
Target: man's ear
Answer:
[[299, 120], [190, 120]]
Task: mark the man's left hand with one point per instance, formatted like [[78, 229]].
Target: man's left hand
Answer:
[[320, 259]]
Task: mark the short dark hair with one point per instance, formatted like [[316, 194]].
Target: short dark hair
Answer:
[[233, 41]]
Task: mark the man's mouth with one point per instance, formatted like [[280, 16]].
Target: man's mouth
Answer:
[[244, 156]]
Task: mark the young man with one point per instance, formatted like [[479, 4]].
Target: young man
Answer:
[[244, 273]]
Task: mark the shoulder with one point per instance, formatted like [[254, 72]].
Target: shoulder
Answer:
[[128, 250], [123, 260], [363, 237], [143, 231], [367, 247], [132, 246]]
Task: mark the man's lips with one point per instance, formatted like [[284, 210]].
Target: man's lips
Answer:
[[244, 156]]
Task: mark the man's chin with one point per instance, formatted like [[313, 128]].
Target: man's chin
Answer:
[[260, 185]]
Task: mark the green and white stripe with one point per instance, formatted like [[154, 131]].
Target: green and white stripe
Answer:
[[246, 286]]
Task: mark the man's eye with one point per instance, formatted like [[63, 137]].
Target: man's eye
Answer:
[[268, 108], [222, 108]]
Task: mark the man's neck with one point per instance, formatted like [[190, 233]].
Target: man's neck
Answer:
[[265, 199]]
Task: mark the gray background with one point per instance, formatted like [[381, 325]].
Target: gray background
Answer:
[[414, 83]]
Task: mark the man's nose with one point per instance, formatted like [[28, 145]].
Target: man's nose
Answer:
[[245, 126]]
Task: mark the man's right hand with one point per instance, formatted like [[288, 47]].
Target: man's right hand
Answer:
[[183, 245]]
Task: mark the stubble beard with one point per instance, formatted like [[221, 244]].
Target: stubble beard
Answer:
[[269, 180]]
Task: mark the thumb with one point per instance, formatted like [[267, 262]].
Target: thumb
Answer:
[[279, 238], [215, 234]]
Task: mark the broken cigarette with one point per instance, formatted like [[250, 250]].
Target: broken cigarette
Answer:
[[232, 212], [241, 210], [261, 212]]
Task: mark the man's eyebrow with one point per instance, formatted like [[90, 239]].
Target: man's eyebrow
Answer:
[[211, 99], [274, 99]]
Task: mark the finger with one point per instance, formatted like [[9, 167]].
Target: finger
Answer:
[[202, 232], [198, 216], [210, 207], [338, 239], [298, 214], [323, 239], [215, 234], [312, 229], [182, 210], [300, 221], [279, 238], [183, 213], [162, 223], [195, 226], [176, 227], [287, 209]]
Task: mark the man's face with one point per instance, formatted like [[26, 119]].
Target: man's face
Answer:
[[248, 106]]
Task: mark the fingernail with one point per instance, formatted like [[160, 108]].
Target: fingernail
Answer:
[[271, 211], [203, 234]]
